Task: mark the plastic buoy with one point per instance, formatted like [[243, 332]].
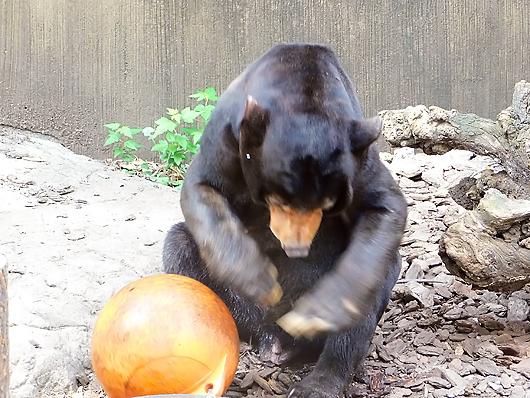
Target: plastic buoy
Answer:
[[165, 334]]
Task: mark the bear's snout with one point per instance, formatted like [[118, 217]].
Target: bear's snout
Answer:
[[294, 229]]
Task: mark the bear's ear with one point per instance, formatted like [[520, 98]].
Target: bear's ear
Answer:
[[364, 132], [253, 126]]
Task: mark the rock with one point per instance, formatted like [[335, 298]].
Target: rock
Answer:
[[497, 212], [518, 392], [486, 367], [408, 183], [461, 368], [490, 322], [494, 385], [417, 291], [487, 349], [464, 325], [438, 382], [453, 377], [424, 337], [398, 392], [520, 101], [432, 258], [518, 310], [429, 350], [522, 367], [396, 347], [443, 334], [414, 271], [434, 177], [464, 289], [498, 309], [506, 381], [454, 313], [443, 291], [470, 346], [420, 232]]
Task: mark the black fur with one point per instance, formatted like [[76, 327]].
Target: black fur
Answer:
[[300, 136]]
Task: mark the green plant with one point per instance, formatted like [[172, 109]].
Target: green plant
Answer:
[[175, 138]]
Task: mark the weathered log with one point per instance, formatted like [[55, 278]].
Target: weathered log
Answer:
[[472, 249], [436, 131], [4, 335], [489, 246]]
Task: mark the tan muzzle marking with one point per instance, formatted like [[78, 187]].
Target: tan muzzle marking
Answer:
[[294, 229]]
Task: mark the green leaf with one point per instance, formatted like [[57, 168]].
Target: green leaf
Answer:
[[189, 115], [173, 148], [126, 131], [170, 137], [179, 157], [128, 158], [212, 95], [200, 96], [163, 125], [160, 147], [144, 166], [206, 113], [197, 137], [118, 152], [192, 148], [148, 131], [135, 131], [113, 138], [132, 144], [163, 180], [113, 126], [189, 130], [175, 115], [182, 141], [176, 118]]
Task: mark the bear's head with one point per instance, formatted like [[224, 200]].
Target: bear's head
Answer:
[[302, 166]]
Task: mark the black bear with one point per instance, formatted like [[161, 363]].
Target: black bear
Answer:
[[291, 217]]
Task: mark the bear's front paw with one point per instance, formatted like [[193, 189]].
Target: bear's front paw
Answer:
[[329, 308], [263, 288]]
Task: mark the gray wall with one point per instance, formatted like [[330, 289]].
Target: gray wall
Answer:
[[68, 67]]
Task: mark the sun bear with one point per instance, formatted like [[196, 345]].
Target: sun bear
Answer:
[[291, 217]]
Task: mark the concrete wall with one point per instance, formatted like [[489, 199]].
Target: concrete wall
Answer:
[[68, 67]]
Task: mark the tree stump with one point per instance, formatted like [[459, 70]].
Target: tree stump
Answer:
[[4, 335], [489, 246]]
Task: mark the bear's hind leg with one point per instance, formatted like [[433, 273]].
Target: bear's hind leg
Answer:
[[181, 255]]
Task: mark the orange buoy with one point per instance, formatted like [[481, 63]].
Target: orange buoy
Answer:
[[165, 334]]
